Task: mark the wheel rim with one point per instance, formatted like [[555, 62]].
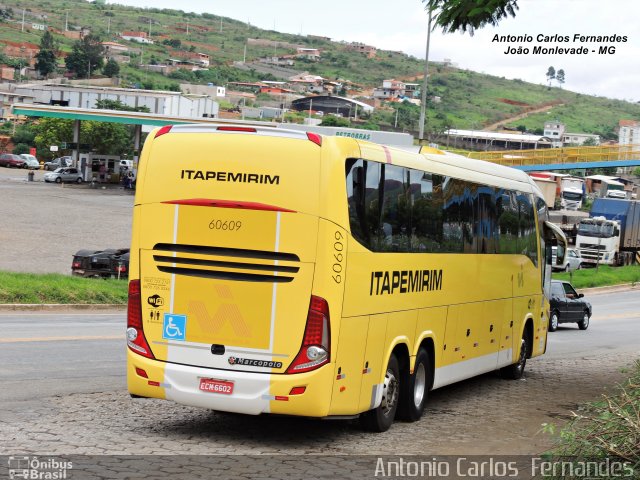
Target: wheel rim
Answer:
[[585, 320], [554, 321], [419, 385], [389, 393]]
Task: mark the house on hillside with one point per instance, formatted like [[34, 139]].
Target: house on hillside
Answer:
[[555, 131], [140, 37], [366, 50], [196, 58], [391, 90], [118, 52], [308, 53]]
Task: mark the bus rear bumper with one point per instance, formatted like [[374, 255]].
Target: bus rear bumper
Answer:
[[252, 393]]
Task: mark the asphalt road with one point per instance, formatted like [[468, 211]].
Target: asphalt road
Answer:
[[44, 224], [46, 354]]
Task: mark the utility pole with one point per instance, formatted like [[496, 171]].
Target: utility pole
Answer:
[[109, 25], [423, 102], [187, 27], [23, 10], [66, 22], [244, 57]]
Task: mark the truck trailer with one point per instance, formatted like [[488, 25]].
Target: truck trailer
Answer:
[[611, 234]]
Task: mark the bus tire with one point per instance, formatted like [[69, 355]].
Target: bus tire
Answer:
[[553, 322], [415, 389], [381, 418], [515, 371]]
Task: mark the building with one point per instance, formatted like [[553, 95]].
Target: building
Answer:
[[390, 90], [489, 140], [366, 50], [196, 58], [158, 102], [308, 53], [118, 52], [555, 131], [140, 37], [629, 132], [8, 98], [345, 107]]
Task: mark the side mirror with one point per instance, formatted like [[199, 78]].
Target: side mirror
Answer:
[[580, 295]]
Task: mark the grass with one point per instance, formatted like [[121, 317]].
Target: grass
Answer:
[[26, 288], [606, 429], [601, 277]]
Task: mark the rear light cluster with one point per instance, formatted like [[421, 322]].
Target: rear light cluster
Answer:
[[135, 334], [316, 344], [313, 137]]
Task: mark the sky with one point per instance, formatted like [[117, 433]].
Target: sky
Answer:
[[402, 25]]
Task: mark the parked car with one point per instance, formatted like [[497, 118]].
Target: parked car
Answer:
[[109, 263], [11, 160], [57, 163], [568, 306], [572, 260], [68, 175], [32, 162]]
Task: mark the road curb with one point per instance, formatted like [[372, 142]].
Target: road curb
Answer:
[[55, 307], [610, 289]]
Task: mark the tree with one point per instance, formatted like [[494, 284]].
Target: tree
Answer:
[[551, 74], [463, 15], [111, 68], [104, 138], [86, 56], [560, 77], [21, 148], [46, 57], [107, 104]]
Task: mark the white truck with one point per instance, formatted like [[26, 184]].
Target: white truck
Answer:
[[571, 193], [611, 235]]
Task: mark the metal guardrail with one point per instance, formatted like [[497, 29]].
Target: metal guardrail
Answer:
[[565, 155]]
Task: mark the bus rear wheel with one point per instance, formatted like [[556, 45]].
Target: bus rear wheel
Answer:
[[414, 391], [515, 371], [381, 418]]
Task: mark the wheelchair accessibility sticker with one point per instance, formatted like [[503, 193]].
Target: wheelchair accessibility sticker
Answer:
[[174, 327]]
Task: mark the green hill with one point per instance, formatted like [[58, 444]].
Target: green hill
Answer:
[[466, 99]]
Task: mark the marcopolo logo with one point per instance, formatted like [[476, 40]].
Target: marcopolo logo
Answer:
[[38, 468], [250, 362]]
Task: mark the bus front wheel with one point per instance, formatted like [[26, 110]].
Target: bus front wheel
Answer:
[[381, 418], [414, 391]]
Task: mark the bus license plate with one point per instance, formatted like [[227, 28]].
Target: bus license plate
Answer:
[[216, 386]]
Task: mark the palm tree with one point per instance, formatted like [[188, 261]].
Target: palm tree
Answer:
[[463, 15]]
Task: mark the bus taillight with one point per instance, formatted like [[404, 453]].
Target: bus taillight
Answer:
[[135, 333], [316, 344]]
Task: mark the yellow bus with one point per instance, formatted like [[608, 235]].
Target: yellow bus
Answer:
[[286, 272]]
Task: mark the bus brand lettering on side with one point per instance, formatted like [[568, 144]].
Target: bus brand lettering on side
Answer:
[[405, 281], [239, 177]]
